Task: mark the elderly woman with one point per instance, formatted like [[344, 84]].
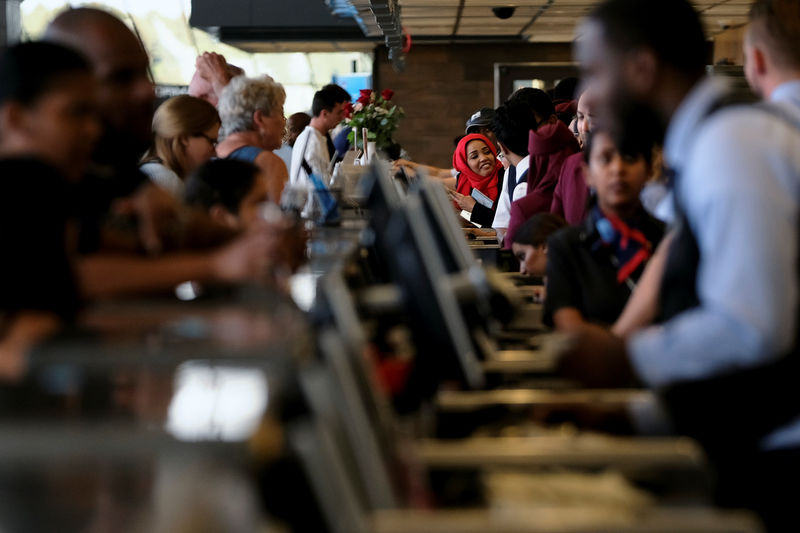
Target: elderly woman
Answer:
[[185, 132], [253, 126]]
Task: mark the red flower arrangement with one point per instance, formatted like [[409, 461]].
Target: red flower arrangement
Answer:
[[378, 114]]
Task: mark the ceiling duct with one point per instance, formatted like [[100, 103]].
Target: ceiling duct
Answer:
[[376, 18]]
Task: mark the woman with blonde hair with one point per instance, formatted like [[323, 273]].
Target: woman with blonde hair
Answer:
[[185, 131], [253, 125]]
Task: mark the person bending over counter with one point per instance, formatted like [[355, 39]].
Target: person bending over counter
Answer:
[[529, 243], [593, 268]]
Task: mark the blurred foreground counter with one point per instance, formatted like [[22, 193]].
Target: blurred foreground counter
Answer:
[[160, 415], [405, 386]]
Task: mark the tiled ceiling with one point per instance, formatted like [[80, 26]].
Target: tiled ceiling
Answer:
[[533, 20]]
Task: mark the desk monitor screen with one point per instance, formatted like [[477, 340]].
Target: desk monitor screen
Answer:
[[444, 227], [440, 332], [381, 193]]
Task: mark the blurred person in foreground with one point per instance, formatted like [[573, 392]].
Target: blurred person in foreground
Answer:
[[48, 129], [724, 359], [125, 220]]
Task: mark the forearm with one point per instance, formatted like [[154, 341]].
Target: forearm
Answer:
[[642, 307], [568, 319], [696, 344], [449, 182], [25, 330], [430, 171], [108, 275]]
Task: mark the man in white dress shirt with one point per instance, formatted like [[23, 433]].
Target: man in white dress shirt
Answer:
[[725, 357], [314, 145]]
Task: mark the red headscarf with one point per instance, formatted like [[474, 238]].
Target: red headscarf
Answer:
[[469, 179]]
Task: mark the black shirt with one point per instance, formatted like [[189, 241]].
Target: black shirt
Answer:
[[36, 273], [582, 275]]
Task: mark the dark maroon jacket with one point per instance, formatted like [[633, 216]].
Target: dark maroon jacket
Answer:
[[549, 147], [572, 192]]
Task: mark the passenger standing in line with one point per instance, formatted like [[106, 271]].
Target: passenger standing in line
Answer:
[[550, 143], [185, 131], [725, 359], [571, 194], [253, 125]]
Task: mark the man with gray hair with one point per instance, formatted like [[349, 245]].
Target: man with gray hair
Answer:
[[253, 125]]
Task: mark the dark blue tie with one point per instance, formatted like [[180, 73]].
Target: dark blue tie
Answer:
[[511, 182]]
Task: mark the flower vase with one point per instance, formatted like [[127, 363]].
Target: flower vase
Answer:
[[371, 148]]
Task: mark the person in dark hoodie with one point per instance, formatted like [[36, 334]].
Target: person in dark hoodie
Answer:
[[571, 195], [549, 145]]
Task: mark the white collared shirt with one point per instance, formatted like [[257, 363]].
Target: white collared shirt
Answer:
[[313, 145], [503, 214]]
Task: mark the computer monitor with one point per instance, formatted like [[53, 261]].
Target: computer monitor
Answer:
[[444, 226], [434, 312]]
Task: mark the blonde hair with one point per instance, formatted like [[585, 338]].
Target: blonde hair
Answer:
[[179, 117], [244, 96]]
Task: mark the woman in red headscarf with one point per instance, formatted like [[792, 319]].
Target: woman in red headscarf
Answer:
[[479, 170]]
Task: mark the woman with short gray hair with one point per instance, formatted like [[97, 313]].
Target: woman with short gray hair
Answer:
[[253, 125]]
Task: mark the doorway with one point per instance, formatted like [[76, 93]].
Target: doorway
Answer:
[[508, 77]]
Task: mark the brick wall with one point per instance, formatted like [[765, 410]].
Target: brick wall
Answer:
[[728, 46], [444, 84]]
